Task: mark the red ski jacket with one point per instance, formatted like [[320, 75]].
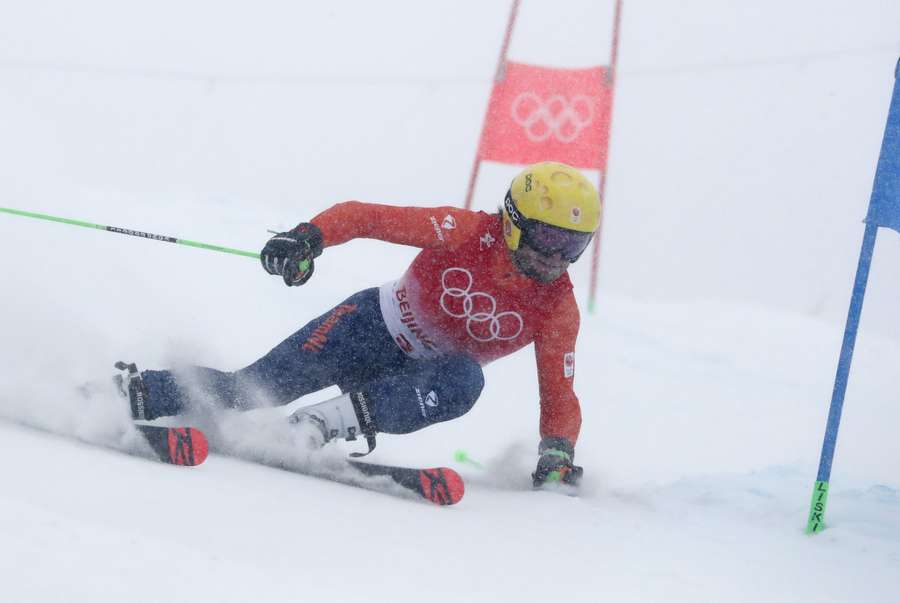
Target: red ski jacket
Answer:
[[462, 293]]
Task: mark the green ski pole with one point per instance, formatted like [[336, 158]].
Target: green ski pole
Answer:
[[136, 233], [461, 456]]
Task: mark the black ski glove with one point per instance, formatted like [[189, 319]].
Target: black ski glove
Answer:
[[290, 254], [555, 464]]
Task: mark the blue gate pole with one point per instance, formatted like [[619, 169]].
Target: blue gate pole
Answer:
[[884, 210], [816, 522]]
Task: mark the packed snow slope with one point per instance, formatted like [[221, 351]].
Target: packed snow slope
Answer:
[[744, 143]]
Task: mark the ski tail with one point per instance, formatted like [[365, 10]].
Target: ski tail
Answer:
[[185, 446]]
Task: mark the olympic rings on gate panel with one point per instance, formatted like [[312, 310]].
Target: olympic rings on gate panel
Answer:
[[557, 116], [478, 308]]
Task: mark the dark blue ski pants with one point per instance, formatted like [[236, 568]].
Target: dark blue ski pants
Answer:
[[350, 347]]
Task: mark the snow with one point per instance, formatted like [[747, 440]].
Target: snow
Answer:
[[744, 144]]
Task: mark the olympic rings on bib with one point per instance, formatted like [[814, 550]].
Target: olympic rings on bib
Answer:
[[478, 308]]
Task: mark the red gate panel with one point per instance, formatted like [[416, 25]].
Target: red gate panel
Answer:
[[542, 113]]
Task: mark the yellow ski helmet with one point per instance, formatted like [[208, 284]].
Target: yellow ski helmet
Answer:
[[551, 207]]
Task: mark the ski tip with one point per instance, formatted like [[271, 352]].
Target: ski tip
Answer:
[[442, 486], [456, 487], [201, 446]]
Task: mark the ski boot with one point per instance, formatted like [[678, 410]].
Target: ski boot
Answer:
[[345, 417], [132, 387]]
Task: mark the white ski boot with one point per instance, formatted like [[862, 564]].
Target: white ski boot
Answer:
[[345, 417]]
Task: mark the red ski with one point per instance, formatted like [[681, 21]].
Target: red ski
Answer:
[[440, 485]]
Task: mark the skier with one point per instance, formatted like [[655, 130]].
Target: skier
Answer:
[[409, 354]]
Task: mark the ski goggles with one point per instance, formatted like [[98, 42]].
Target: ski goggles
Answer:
[[547, 239]]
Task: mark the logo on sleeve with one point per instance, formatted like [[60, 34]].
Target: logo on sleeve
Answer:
[[449, 222], [569, 364], [437, 229]]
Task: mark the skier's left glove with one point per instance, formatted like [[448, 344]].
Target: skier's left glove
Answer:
[[290, 254], [555, 464]]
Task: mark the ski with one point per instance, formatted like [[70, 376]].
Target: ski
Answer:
[[183, 446], [186, 446], [438, 485]]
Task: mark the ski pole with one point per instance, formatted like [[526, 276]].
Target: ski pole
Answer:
[[137, 233], [461, 456], [128, 231]]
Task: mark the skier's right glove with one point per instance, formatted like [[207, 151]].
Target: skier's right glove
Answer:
[[290, 254], [555, 463]]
